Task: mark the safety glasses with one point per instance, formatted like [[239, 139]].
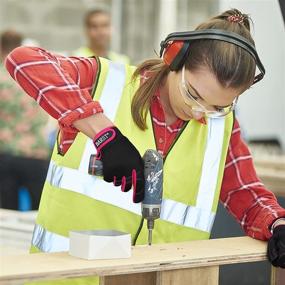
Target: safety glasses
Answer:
[[192, 101]]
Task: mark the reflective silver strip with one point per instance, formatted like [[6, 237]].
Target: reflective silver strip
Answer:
[[96, 188], [211, 164], [47, 241], [177, 213], [109, 100], [91, 186], [188, 216]]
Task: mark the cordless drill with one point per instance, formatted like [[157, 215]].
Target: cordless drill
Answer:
[[153, 174]]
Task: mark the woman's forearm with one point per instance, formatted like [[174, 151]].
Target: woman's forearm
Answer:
[[92, 125]]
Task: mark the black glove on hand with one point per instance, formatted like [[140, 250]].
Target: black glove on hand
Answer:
[[122, 163], [276, 247]]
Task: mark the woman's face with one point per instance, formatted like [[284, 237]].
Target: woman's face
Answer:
[[204, 87]]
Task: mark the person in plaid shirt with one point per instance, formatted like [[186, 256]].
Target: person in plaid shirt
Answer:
[[62, 87]]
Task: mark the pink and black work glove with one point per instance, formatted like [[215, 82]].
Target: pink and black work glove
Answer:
[[122, 163], [276, 247]]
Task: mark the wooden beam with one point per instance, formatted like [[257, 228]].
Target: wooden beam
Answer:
[[148, 278], [274, 180], [277, 276], [16, 230], [174, 256], [271, 171], [201, 276], [271, 162]]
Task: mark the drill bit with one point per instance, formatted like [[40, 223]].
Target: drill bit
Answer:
[[150, 225], [149, 236]]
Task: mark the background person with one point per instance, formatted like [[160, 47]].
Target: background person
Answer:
[[98, 30], [23, 146]]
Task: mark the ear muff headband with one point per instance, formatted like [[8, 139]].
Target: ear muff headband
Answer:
[[175, 63]]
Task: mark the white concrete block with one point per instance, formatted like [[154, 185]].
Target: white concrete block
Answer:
[[100, 244]]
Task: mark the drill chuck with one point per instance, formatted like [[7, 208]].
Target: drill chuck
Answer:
[[151, 212]]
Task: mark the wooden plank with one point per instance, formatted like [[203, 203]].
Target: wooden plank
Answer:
[[271, 171], [277, 276], [27, 217], [271, 162], [12, 250], [144, 259], [130, 279], [201, 276], [274, 180], [16, 230], [17, 226]]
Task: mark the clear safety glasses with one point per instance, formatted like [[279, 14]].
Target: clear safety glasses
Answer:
[[192, 101]]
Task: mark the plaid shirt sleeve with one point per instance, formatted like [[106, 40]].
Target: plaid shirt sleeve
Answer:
[[60, 85], [244, 195]]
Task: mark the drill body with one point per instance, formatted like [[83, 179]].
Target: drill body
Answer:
[[153, 173]]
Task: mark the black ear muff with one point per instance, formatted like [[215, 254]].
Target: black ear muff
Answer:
[[175, 53]]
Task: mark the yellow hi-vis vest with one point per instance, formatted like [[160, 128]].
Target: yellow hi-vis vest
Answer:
[[193, 171]]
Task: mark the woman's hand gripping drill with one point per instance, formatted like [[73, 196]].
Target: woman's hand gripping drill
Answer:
[[122, 162]]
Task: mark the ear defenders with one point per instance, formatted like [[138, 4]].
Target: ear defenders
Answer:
[[176, 47]]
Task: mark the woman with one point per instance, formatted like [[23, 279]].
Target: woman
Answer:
[[184, 110]]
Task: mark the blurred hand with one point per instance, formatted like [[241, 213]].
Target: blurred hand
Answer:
[[276, 247]]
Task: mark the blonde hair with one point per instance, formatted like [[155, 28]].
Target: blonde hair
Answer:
[[233, 66]]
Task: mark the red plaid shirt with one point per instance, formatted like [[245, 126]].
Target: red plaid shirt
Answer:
[[62, 86]]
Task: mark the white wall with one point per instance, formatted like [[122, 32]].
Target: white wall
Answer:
[[262, 108]]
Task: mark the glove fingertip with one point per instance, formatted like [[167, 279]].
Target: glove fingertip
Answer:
[[123, 185], [134, 180]]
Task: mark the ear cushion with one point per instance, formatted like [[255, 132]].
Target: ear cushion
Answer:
[[175, 54]]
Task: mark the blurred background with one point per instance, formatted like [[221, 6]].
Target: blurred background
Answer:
[[138, 27], [131, 31]]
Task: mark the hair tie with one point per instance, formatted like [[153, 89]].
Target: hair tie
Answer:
[[236, 18]]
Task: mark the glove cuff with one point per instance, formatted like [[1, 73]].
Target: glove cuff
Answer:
[[277, 224], [104, 137]]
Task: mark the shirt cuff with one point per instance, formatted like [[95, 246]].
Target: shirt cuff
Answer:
[[68, 133], [84, 111], [269, 222]]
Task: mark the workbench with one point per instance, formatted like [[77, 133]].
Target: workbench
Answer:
[[194, 262]]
